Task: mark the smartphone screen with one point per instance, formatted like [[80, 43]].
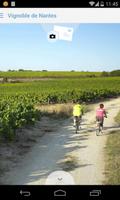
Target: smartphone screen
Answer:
[[59, 99]]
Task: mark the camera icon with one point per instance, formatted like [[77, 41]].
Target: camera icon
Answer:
[[52, 36]]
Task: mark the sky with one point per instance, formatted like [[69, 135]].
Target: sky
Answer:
[[94, 47]]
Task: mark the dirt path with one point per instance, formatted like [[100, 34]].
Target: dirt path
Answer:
[[79, 154]]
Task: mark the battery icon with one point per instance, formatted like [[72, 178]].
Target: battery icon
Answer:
[[102, 4]]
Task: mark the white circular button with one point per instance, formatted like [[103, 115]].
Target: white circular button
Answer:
[[60, 178]]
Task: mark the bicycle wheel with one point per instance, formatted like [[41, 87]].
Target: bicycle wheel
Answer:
[[98, 129], [101, 129], [77, 127]]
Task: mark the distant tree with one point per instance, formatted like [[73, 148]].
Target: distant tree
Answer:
[[21, 70], [72, 70], [105, 74], [44, 70], [11, 70], [91, 75], [115, 73]]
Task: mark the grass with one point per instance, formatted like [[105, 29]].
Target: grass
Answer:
[[56, 110], [59, 110], [112, 152], [48, 74], [117, 118]]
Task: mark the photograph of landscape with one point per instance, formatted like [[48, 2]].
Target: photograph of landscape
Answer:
[[44, 68]]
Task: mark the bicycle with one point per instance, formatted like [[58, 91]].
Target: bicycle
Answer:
[[99, 128], [77, 123]]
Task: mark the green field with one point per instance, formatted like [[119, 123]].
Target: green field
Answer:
[[46, 74], [64, 90], [18, 100]]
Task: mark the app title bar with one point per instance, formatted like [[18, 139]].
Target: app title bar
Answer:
[[59, 15]]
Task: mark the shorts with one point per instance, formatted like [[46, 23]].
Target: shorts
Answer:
[[100, 119], [77, 117]]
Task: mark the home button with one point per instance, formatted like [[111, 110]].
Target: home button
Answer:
[[60, 193]]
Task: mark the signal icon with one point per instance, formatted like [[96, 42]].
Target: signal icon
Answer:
[[91, 3], [97, 4]]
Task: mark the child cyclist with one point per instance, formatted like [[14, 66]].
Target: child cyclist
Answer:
[[100, 114], [77, 111]]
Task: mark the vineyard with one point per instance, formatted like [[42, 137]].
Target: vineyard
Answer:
[[18, 100], [46, 74], [15, 112]]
